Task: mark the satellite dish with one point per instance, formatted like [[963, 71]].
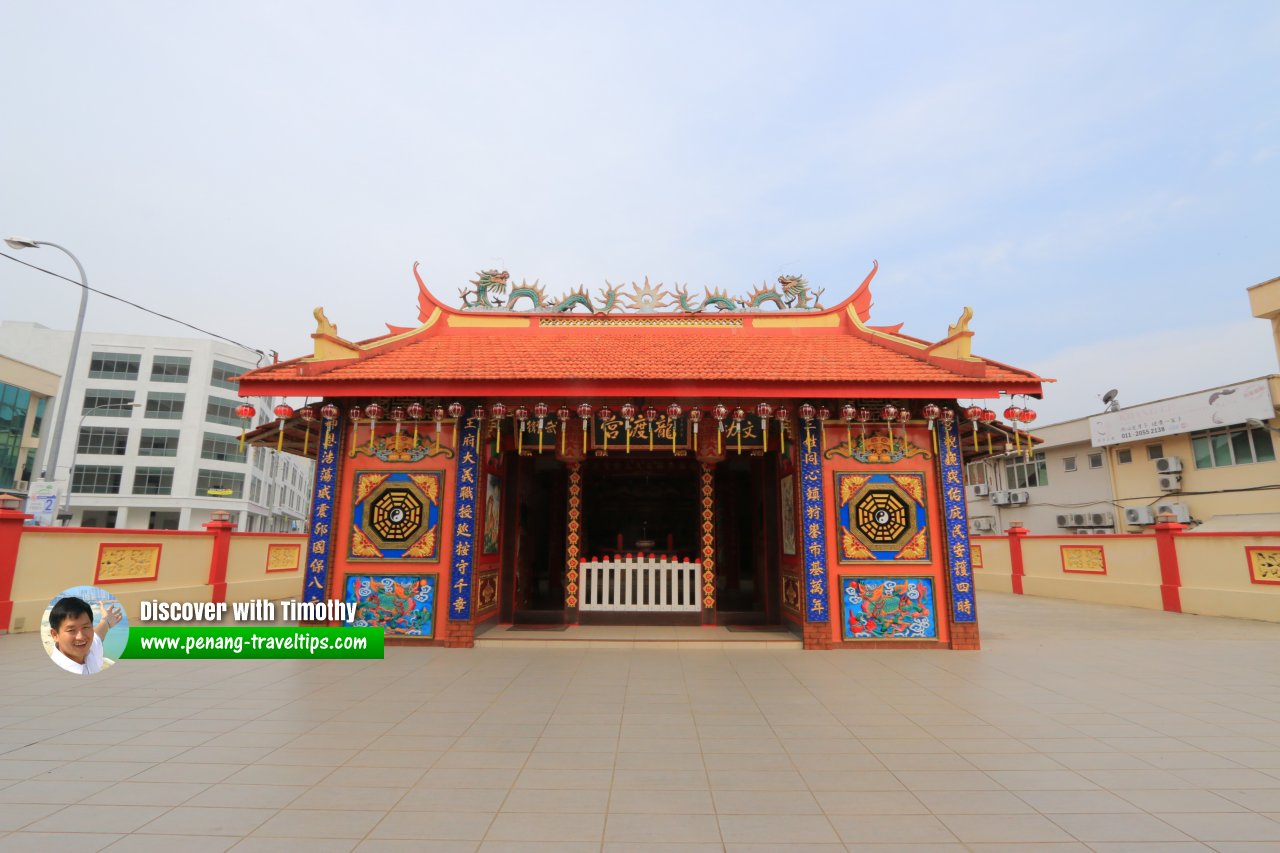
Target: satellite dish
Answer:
[[1110, 395]]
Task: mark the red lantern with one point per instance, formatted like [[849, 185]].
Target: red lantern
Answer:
[[628, 412], [373, 411], [987, 416], [478, 413], [1027, 416], [824, 414], [521, 415], [398, 414], [695, 417], [329, 412], [1012, 414], [764, 411], [283, 413], [889, 412], [673, 415], [584, 412], [308, 414], [807, 411], [246, 412], [848, 411], [948, 417], [498, 410], [455, 411], [931, 412], [973, 413], [416, 411], [784, 418]]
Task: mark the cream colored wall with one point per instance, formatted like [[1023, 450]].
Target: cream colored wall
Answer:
[[996, 573], [1216, 578], [42, 382], [51, 561], [1132, 566], [1137, 483], [247, 575]]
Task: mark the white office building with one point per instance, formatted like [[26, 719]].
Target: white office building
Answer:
[[152, 440]]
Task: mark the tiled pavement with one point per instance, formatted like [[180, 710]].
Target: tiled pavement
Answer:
[[1079, 727]]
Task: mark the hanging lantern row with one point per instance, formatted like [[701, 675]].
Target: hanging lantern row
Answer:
[[416, 413]]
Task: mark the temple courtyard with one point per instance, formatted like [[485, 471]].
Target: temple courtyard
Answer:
[[1077, 727]]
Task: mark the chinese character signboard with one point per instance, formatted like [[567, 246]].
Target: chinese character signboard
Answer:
[[957, 525], [320, 539], [463, 556]]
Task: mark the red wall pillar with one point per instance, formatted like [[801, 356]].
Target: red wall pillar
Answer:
[[1166, 529], [11, 521], [221, 531], [1016, 532]]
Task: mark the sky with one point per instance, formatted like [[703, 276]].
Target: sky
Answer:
[[1097, 180]]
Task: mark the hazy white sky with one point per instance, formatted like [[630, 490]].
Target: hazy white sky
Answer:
[[1098, 180]]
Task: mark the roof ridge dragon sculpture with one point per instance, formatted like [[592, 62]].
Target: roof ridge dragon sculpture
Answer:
[[489, 292]]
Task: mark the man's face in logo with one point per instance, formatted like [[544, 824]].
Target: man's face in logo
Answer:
[[74, 637]]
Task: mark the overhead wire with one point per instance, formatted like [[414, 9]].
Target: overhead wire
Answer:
[[163, 316]]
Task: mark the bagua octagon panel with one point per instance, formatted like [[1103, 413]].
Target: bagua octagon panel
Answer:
[[883, 517], [396, 516]]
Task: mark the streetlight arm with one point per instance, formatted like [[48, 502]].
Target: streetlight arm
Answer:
[[64, 396]]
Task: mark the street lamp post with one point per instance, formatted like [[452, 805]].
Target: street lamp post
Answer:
[[51, 461], [75, 448]]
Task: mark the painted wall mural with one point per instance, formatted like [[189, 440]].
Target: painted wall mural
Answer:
[[888, 608], [396, 515], [399, 604], [883, 517], [320, 535], [492, 513]]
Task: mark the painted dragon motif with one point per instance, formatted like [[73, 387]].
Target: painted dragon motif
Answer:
[[796, 289], [532, 292]]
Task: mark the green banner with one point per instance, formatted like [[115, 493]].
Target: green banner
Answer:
[[253, 642]]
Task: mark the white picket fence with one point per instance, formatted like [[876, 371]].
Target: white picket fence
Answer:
[[639, 584]]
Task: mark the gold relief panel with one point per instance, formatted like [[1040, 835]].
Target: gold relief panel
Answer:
[[284, 558], [1264, 564], [1084, 559], [126, 563]]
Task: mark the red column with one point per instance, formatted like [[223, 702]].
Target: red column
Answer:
[[1016, 532], [221, 530], [11, 521], [1166, 529]]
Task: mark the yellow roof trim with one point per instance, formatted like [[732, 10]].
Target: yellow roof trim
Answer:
[[465, 321], [825, 320], [857, 321]]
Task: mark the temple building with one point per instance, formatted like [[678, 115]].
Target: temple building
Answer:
[[643, 456]]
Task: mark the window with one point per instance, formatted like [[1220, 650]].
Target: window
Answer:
[[974, 473], [158, 442], [222, 411], [1124, 456], [255, 490], [1235, 445], [107, 404], [164, 520], [221, 448], [114, 365], [214, 483], [1155, 451], [224, 375], [39, 419], [165, 405], [170, 368], [98, 518], [107, 440], [1095, 460], [1021, 473], [96, 479], [1068, 463], [153, 481]]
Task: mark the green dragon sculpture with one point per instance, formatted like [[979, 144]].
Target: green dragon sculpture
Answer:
[[489, 292]]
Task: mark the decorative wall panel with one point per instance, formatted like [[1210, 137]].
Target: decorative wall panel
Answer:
[[888, 608]]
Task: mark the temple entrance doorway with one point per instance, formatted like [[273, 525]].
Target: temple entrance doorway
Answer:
[[747, 545], [534, 540], [641, 535]]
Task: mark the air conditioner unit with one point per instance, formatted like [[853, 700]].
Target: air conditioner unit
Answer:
[[1081, 531], [1171, 483], [1178, 510], [984, 525], [1139, 515], [1079, 519], [1018, 498], [1099, 531], [980, 490], [1064, 521], [1001, 498], [1168, 465], [1097, 518]]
